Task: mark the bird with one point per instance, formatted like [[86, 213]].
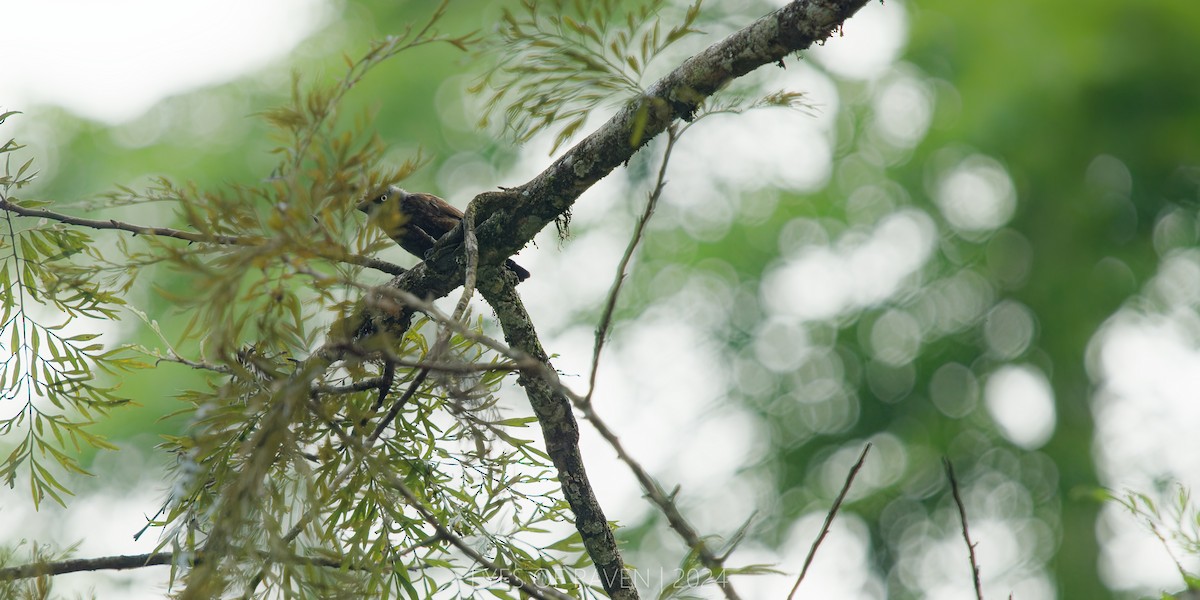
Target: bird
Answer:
[[416, 220]]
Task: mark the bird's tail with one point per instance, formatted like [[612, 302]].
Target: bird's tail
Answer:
[[522, 274]]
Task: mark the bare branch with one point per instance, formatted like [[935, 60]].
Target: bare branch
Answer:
[[187, 236], [833, 510], [394, 411], [610, 306], [962, 515], [86, 564], [664, 501], [129, 227], [135, 561]]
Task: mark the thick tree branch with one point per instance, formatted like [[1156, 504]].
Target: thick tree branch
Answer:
[[677, 96], [561, 434], [508, 220], [550, 398]]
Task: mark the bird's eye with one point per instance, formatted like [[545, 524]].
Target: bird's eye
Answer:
[[382, 199]]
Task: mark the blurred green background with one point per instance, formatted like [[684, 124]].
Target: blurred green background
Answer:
[[998, 191]]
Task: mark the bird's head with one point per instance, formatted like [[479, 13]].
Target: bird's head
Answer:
[[380, 197]]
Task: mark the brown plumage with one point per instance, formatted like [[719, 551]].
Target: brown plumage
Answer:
[[416, 220]]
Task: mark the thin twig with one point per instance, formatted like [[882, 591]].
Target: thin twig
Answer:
[[113, 224], [195, 364], [136, 561], [833, 510], [471, 248], [394, 411], [962, 514], [350, 388], [385, 382], [665, 502], [610, 306], [187, 236]]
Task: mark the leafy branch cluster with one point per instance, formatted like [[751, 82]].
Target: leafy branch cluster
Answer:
[[48, 385], [414, 449], [1174, 519], [567, 57], [265, 269], [441, 444]]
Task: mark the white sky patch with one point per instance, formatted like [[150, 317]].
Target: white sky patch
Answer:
[[720, 444], [1147, 369], [1131, 558], [1147, 406], [102, 520], [822, 281], [576, 274], [1021, 402], [998, 548], [660, 387], [869, 44], [112, 61], [774, 148]]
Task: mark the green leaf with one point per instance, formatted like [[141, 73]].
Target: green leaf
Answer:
[[517, 421], [23, 168]]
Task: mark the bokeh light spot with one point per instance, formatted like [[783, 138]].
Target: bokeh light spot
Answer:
[[1021, 402], [977, 195], [954, 390], [860, 269], [903, 111], [1009, 329], [895, 338]]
